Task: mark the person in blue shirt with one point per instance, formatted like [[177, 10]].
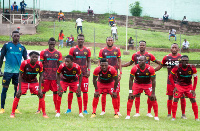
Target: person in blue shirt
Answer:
[[13, 52], [111, 20], [23, 6]]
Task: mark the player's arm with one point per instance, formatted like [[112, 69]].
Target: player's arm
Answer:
[[24, 54], [40, 82], [171, 76], [95, 82], [19, 92], [78, 91], [131, 78], [120, 68], [153, 79], [128, 64], [59, 86], [161, 64], [88, 66], [3, 53]]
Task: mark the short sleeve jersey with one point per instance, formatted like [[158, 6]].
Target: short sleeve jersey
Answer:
[[69, 74], [80, 57], [29, 72], [184, 75], [61, 36], [112, 56], [172, 59], [13, 54], [105, 77], [142, 76], [51, 61], [148, 55]]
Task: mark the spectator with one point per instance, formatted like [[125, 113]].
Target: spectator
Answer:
[[185, 44], [18, 29], [111, 20], [79, 25], [90, 11], [60, 38], [61, 16], [14, 6], [70, 40], [172, 33], [23, 6], [130, 43], [114, 32], [184, 21], [165, 17]]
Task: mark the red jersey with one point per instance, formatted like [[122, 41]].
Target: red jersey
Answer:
[[171, 61], [148, 55], [105, 77], [184, 76], [112, 56], [29, 72], [142, 76], [80, 57], [69, 74], [51, 61]]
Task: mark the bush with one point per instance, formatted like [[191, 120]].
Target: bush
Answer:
[[135, 9]]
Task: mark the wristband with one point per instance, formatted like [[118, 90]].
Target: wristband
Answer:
[[130, 91], [120, 72], [88, 69]]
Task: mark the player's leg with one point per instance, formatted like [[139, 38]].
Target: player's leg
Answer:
[[174, 108], [137, 105], [115, 106], [70, 98], [15, 77], [118, 99], [149, 107], [64, 86], [170, 99], [79, 100], [54, 89], [84, 89], [183, 106], [103, 103], [194, 108], [129, 107], [94, 105]]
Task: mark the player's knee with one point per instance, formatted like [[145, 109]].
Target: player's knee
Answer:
[[84, 92], [70, 92], [138, 95], [55, 92], [175, 99], [192, 100], [170, 97]]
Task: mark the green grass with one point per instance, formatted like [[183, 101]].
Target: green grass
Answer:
[[45, 30]]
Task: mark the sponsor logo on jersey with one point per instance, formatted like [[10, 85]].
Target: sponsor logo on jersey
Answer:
[[46, 54], [10, 47], [76, 52]]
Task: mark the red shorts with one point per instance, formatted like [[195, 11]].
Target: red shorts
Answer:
[[34, 87], [183, 91], [105, 87], [138, 88], [72, 86], [170, 90], [84, 84], [49, 85], [118, 87]]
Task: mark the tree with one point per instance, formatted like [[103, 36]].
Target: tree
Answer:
[[135, 9]]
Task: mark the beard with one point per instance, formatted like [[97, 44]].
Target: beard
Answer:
[[109, 45]]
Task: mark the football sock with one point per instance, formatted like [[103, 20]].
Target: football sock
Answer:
[[15, 103], [85, 100], [183, 105], [174, 109], [42, 103], [55, 97], [103, 101], [95, 103], [118, 101], [15, 88], [115, 104], [129, 106], [137, 104], [58, 103], [3, 96], [79, 99], [169, 106], [195, 110], [149, 103], [155, 107], [70, 97]]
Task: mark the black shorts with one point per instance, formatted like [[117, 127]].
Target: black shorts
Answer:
[[7, 78]]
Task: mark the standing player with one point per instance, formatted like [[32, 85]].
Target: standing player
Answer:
[[28, 80], [72, 77], [13, 52], [107, 83], [173, 57], [51, 59], [81, 56], [144, 80], [113, 54], [184, 73], [135, 57]]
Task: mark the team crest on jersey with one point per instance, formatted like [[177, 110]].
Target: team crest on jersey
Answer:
[[74, 72], [56, 55], [85, 53], [20, 49], [147, 74], [4, 81], [176, 94], [147, 58], [115, 52], [109, 75], [37, 69], [42, 87], [189, 72]]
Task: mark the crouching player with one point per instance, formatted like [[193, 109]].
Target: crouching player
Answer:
[[184, 86], [27, 80], [70, 73], [144, 80], [107, 79]]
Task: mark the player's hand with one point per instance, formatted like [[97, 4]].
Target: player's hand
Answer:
[[131, 96], [78, 92], [114, 95], [1, 73], [60, 92], [193, 93], [40, 94], [19, 93], [88, 74], [119, 77], [153, 97], [96, 94], [175, 89]]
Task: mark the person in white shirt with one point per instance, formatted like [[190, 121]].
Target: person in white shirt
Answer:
[[172, 33], [114, 31], [79, 25], [184, 21], [185, 44], [165, 17]]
